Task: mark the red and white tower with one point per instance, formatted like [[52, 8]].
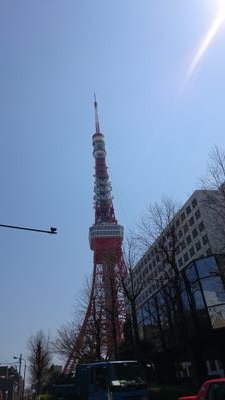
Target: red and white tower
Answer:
[[102, 328]]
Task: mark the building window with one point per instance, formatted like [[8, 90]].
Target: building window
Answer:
[[191, 221], [194, 203], [205, 239], [188, 239], [186, 257], [182, 217], [194, 233], [198, 245], [197, 214], [188, 210], [201, 226], [185, 228], [192, 251]]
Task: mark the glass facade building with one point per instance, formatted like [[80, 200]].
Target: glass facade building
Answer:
[[168, 322]]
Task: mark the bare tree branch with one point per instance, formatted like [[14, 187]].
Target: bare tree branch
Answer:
[[213, 185], [39, 358], [65, 339]]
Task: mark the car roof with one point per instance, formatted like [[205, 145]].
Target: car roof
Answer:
[[215, 380]]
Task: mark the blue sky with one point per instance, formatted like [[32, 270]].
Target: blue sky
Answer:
[[53, 55]]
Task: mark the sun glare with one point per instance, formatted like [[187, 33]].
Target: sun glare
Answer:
[[207, 39]]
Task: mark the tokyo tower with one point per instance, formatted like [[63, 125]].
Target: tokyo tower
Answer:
[[102, 327]]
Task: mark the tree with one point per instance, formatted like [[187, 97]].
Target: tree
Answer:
[[132, 291], [65, 338], [157, 222], [70, 341], [90, 303], [113, 311], [158, 235], [213, 185], [39, 358], [215, 177]]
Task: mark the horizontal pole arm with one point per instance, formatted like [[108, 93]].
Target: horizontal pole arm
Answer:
[[52, 231]]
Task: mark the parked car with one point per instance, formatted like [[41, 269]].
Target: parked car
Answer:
[[213, 389]]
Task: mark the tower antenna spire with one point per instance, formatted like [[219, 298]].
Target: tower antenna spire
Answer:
[[97, 127]]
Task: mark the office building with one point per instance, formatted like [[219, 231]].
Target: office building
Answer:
[[195, 240]]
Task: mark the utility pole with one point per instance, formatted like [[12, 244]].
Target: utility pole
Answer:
[[20, 363], [21, 389]]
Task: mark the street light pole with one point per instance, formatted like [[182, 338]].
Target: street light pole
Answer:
[[51, 231], [20, 358], [20, 363], [24, 378]]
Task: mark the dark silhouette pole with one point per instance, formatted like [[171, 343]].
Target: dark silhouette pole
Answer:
[[20, 359], [52, 231]]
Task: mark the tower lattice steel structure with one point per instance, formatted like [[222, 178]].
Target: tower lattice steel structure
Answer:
[[102, 328]]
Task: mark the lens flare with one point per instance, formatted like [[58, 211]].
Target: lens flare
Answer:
[[207, 40]]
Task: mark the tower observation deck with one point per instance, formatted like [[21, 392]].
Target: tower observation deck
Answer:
[[102, 328]]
